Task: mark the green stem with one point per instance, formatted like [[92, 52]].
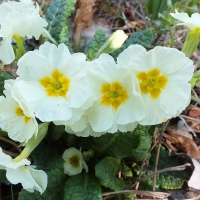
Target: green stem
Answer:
[[33, 142], [20, 51], [195, 99]]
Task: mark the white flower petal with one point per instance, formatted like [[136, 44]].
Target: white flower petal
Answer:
[[6, 51], [126, 57], [100, 117], [30, 178]]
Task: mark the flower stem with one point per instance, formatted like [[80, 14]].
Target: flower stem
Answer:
[[195, 99], [20, 51]]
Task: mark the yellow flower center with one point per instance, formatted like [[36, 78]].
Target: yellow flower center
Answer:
[[56, 85], [20, 113], [152, 82], [113, 94], [74, 161]]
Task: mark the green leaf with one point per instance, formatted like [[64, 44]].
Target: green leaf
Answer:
[[166, 180], [144, 38], [133, 144], [82, 187], [47, 156], [57, 132], [106, 171], [56, 180], [4, 76], [57, 17], [96, 43]]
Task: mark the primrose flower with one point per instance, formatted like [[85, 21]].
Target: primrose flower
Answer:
[[82, 128], [15, 116], [15, 25], [74, 162], [115, 41], [22, 172], [163, 74], [10, 6], [54, 83], [193, 36], [118, 103]]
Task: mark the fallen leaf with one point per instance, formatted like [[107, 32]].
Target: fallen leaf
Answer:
[[181, 143], [84, 15], [194, 111], [133, 24]]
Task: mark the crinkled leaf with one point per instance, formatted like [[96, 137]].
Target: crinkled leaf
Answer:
[[47, 156], [96, 43], [144, 38], [166, 180], [106, 171], [56, 180], [82, 187], [4, 76], [120, 145], [57, 17]]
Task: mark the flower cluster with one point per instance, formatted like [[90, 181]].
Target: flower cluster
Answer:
[[17, 20], [100, 96], [88, 98]]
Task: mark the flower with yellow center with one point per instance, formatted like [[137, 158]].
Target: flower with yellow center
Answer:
[[113, 94], [54, 83], [74, 162], [118, 103], [152, 82], [16, 117], [162, 74]]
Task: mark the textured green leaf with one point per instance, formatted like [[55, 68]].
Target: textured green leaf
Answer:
[[106, 171], [144, 38], [57, 17], [167, 180], [96, 43], [47, 156], [133, 144], [56, 180], [82, 187], [4, 76]]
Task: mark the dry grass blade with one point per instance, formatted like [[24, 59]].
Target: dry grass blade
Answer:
[[160, 195]]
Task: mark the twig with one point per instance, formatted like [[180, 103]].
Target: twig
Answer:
[[126, 22], [177, 168], [10, 142], [164, 125], [143, 162], [188, 127], [160, 195], [191, 118], [10, 153]]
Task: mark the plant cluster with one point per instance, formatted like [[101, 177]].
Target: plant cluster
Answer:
[[91, 111]]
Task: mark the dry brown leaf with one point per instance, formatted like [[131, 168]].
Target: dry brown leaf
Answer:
[[177, 142], [83, 19], [133, 24], [194, 111]]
